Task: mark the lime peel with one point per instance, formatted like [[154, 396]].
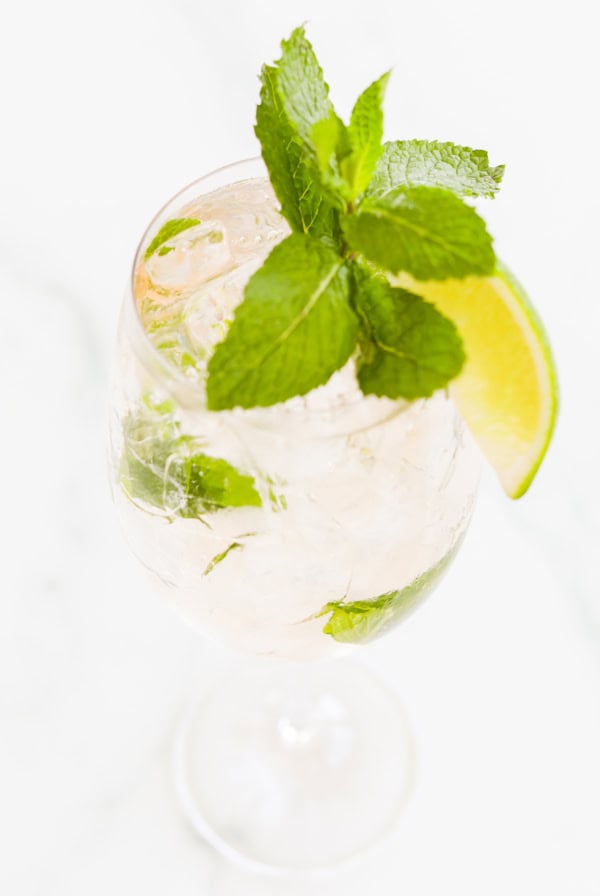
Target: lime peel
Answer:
[[507, 391]]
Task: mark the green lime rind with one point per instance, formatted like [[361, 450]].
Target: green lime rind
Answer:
[[543, 341]]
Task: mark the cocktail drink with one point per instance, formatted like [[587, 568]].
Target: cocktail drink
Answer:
[[289, 463], [290, 530]]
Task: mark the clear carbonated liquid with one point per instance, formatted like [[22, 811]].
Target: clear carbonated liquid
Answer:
[[344, 498]]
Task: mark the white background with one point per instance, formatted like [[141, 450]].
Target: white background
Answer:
[[107, 109]]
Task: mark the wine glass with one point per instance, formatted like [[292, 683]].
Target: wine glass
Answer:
[[296, 533]]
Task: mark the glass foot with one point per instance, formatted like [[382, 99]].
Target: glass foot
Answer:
[[294, 768]]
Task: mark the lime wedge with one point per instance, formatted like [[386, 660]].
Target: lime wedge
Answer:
[[507, 391]]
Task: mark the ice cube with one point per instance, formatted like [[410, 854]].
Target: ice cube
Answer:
[[191, 258], [188, 289], [208, 314], [249, 212]]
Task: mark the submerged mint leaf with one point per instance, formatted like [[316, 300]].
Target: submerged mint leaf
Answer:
[[169, 471], [360, 621], [365, 134], [430, 163], [426, 231], [167, 232], [408, 349], [212, 483], [164, 408], [218, 558], [294, 328]]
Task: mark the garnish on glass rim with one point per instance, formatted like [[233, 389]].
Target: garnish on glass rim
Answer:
[[386, 264], [313, 303]]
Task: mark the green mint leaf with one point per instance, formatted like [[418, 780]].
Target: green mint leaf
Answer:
[[212, 483], [365, 134], [293, 329], [291, 170], [408, 349], [164, 409], [304, 93], [281, 150], [426, 231], [218, 558], [167, 232], [293, 98], [329, 144], [360, 621], [169, 471], [430, 163]]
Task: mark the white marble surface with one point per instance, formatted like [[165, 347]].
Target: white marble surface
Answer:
[[107, 109]]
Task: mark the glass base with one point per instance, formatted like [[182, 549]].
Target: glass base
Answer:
[[290, 768]]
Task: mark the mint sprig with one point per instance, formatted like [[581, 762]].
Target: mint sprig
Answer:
[[359, 209]]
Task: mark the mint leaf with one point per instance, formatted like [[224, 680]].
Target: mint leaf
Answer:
[[304, 93], [347, 156], [291, 169], [351, 201], [167, 232], [293, 98], [430, 163], [407, 348], [329, 144], [169, 471], [294, 328], [365, 134], [212, 483], [281, 149], [429, 232], [360, 621], [218, 558]]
